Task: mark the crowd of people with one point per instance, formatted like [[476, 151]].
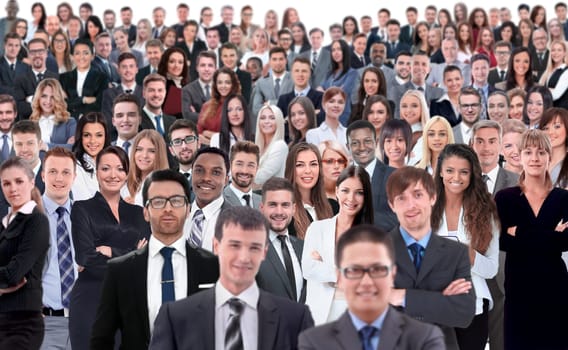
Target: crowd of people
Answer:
[[244, 186]]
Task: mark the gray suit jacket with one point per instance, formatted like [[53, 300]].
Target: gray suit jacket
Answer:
[[436, 76], [264, 92], [234, 201], [399, 332], [192, 96], [458, 137], [323, 67]]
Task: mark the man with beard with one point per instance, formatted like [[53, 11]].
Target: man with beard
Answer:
[[244, 164], [281, 273], [126, 120], [164, 270], [402, 65], [183, 146], [470, 110]]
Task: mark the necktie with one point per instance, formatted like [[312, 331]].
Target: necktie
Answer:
[[314, 60], [417, 251], [277, 87], [233, 335], [197, 228], [246, 197], [483, 103], [420, 88], [128, 91], [159, 124], [187, 175], [39, 77], [541, 57], [502, 75], [393, 46], [168, 291], [5, 147], [12, 67], [362, 59], [126, 146], [288, 265], [485, 178], [156, 33], [107, 67], [64, 257], [207, 92], [366, 334]]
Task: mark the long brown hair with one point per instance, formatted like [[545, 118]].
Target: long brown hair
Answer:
[[210, 108], [160, 162]]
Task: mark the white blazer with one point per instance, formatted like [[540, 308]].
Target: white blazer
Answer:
[[320, 237], [485, 265], [272, 162]]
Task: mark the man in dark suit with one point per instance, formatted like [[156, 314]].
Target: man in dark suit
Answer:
[[379, 33], [486, 142], [360, 251], [433, 274], [270, 322], [359, 58], [25, 84], [126, 18], [407, 30], [103, 48], [154, 93], [230, 59], [539, 56], [361, 139], [281, 272], [8, 114], [244, 157], [125, 121], [319, 58], [470, 110], [158, 17], [226, 25], [480, 72], [192, 46], [154, 50], [196, 93], [502, 53], [450, 54], [10, 65], [26, 138], [137, 284], [393, 42]]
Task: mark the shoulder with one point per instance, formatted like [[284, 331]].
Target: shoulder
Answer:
[[416, 329], [201, 254], [507, 194], [128, 258], [284, 305]]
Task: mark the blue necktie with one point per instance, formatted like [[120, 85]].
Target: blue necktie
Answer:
[[5, 147], [417, 251], [366, 334], [168, 291], [64, 257], [126, 146], [159, 124]]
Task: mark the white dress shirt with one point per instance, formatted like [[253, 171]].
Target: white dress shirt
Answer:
[[466, 132], [325, 133], [86, 184], [46, 125], [211, 213], [492, 179], [155, 266], [240, 195], [81, 77], [249, 316], [295, 262]]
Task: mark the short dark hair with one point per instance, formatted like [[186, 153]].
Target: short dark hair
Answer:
[[87, 6], [126, 56], [245, 217], [479, 57], [559, 4], [129, 98], [117, 151], [192, 23], [404, 177], [213, 150], [277, 49], [206, 54], [451, 68], [182, 124], [360, 124], [83, 41], [125, 8], [411, 9], [364, 234], [27, 127], [37, 40], [393, 21], [244, 147], [12, 35], [5, 98], [402, 53], [277, 184], [152, 77], [165, 175]]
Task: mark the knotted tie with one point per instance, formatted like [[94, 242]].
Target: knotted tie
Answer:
[[366, 334], [197, 228], [159, 124], [64, 257], [417, 250], [288, 265], [233, 336], [168, 284]]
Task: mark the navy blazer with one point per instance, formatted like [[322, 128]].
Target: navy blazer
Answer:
[[444, 108], [61, 133], [113, 76], [191, 56], [8, 76], [314, 96]]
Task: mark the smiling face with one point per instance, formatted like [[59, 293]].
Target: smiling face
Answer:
[[298, 117], [279, 209], [453, 81], [145, 156], [362, 145], [334, 107], [208, 178], [535, 108], [497, 108], [556, 131], [27, 146], [224, 84], [126, 119], [243, 170], [307, 170], [58, 174], [370, 83], [235, 112], [168, 221], [437, 137], [510, 150], [487, 145], [111, 175], [410, 109], [456, 175], [350, 196], [82, 56], [17, 187], [395, 148], [378, 115], [93, 138], [336, 52], [517, 106], [521, 64], [558, 53], [46, 101], [534, 161], [175, 64], [267, 122], [184, 153], [413, 208]]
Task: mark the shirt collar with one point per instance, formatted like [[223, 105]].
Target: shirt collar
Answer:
[[377, 323], [493, 173], [370, 168], [27, 209], [240, 193], [273, 236], [249, 296], [51, 206], [302, 92], [408, 239], [210, 208], [155, 245]]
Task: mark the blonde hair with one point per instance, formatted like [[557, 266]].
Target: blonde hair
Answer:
[[550, 65], [535, 138], [59, 104], [425, 111], [160, 162], [426, 152], [278, 134], [333, 146]]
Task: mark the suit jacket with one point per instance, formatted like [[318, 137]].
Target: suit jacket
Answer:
[[8, 76], [191, 56], [246, 83], [264, 92], [398, 47], [142, 73], [406, 35], [124, 300], [24, 86], [538, 66], [272, 276], [399, 332], [356, 61], [444, 261], [113, 76], [61, 133], [192, 96], [458, 137], [431, 93], [234, 201], [323, 66], [224, 32], [109, 95], [494, 78], [314, 96], [94, 86], [384, 217], [279, 323], [444, 108]]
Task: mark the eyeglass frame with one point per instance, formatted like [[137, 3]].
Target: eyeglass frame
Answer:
[[189, 139], [386, 269], [333, 161], [167, 200]]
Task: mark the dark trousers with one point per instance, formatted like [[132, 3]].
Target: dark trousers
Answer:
[[21, 330], [474, 337]]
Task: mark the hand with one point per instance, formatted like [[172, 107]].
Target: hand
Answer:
[[89, 100], [71, 140], [14, 288], [80, 268], [141, 243], [513, 230], [397, 297], [457, 287], [105, 250], [191, 108], [316, 256], [561, 226]]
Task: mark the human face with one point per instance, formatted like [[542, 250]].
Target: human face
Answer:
[[470, 107], [366, 24], [349, 27], [443, 19], [52, 25], [74, 28], [184, 153], [557, 53], [298, 117], [59, 44], [183, 14], [480, 72], [335, 33], [111, 175], [21, 29], [350, 196], [336, 53], [402, 67], [154, 55], [103, 47], [120, 40], [142, 31], [58, 174], [82, 57], [555, 29], [560, 13], [26, 146], [260, 40], [229, 58], [267, 122], [535, 108], [334, 107], [278, 208], [517, 106], [189, 33], [208, 178], [556, 131], [46, 101], [423, 33], [293, 16], [494, 18], [127, 69], [413, 208], [154, 94], [236, 36], [539, 18], [456, 175], [243, 170], [487, 145], [379, 54], [370, 83], [383, 18], [297, 34], [433, 38], [93, 138], [285, 41], [367, 297], [449, 33], [307, 170], [411, 17], [7, 117], [270, 20], [430, 15], [240, 253], [510, 150], [145, 156], [235, 112], [525, 30], [486, 38], [502, 54], [505, 15], [453, 81], [479, 18], [206, 68], [507, 34], [12, 48], [534, 161], [449, 50], [395, 148], [393, 32], [170, 39], [497, 108], [227, 16], [168, 221], [126, 17], [17, 187], [126, 119], [464, 33], [278, 63], [63, 13], [362, 145], [158, 17], [175, 64], [92, 29], [301, 75], [109, 20], [333, 164], [410, 109], [420, 69], [212, 38], [316, 39], [224, 84], [437, 137], [378, 115]]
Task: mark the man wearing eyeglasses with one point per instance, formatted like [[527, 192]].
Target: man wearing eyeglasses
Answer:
[[470, 110], [183, 146], [366, 272], [165, 270]]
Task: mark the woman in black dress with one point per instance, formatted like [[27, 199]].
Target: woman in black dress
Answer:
[[533, 233], [103, 227]]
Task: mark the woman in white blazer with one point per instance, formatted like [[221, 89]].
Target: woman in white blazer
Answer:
[[466, 212], [269, 137], [318, 259]]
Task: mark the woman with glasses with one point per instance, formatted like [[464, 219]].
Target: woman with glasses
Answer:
[[464, 211], [353, 193], [334, 159], [104, 227], [61, 50], [269, 137]]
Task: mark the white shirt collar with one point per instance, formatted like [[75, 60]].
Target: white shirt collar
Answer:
[[155, 245], [249, 296], [210, 208], [27, 209]]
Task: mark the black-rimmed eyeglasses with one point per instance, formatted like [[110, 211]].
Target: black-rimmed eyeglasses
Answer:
[[187, 140], [357, 272], [177, 201]]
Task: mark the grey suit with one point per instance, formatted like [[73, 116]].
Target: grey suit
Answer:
[[192, 96], [431, 94], [264, 92], [458, 137], [399, 332], [323, 66], [232, 199]]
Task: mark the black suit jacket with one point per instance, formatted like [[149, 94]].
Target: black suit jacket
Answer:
[[405, 35], [24, 86], [124, 303], [444, 108], [191, 56], [538, 66], [314, 96], [384, 217], [280, 321], [142, 73], [224, 32], [192, 96], [113, 77], [8, 76], [246, 83], [356, 61], [94, 86], [494, 78]]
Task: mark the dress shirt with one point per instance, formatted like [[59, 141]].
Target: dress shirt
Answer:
[[400, 81], [202, 85], [240, 195], [210, 213], [153, 120], [325, 133], [466, 132], [408, 240], [378, 324], [126, 88], [51, 280], [312, 211], [120, 143], [561, 85], [249, 316], [81, 77], [155, 266], [46, 125], [295, 262], [302, 92], [492, 179], [25, 209], [370, 168], [86, 184]]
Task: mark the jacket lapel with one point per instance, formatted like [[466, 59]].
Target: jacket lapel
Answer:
[[267, 322], [346, 333], [403, 258], [140, 271], [431, 255], [392, 325], [273, 258], [206, 308]]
